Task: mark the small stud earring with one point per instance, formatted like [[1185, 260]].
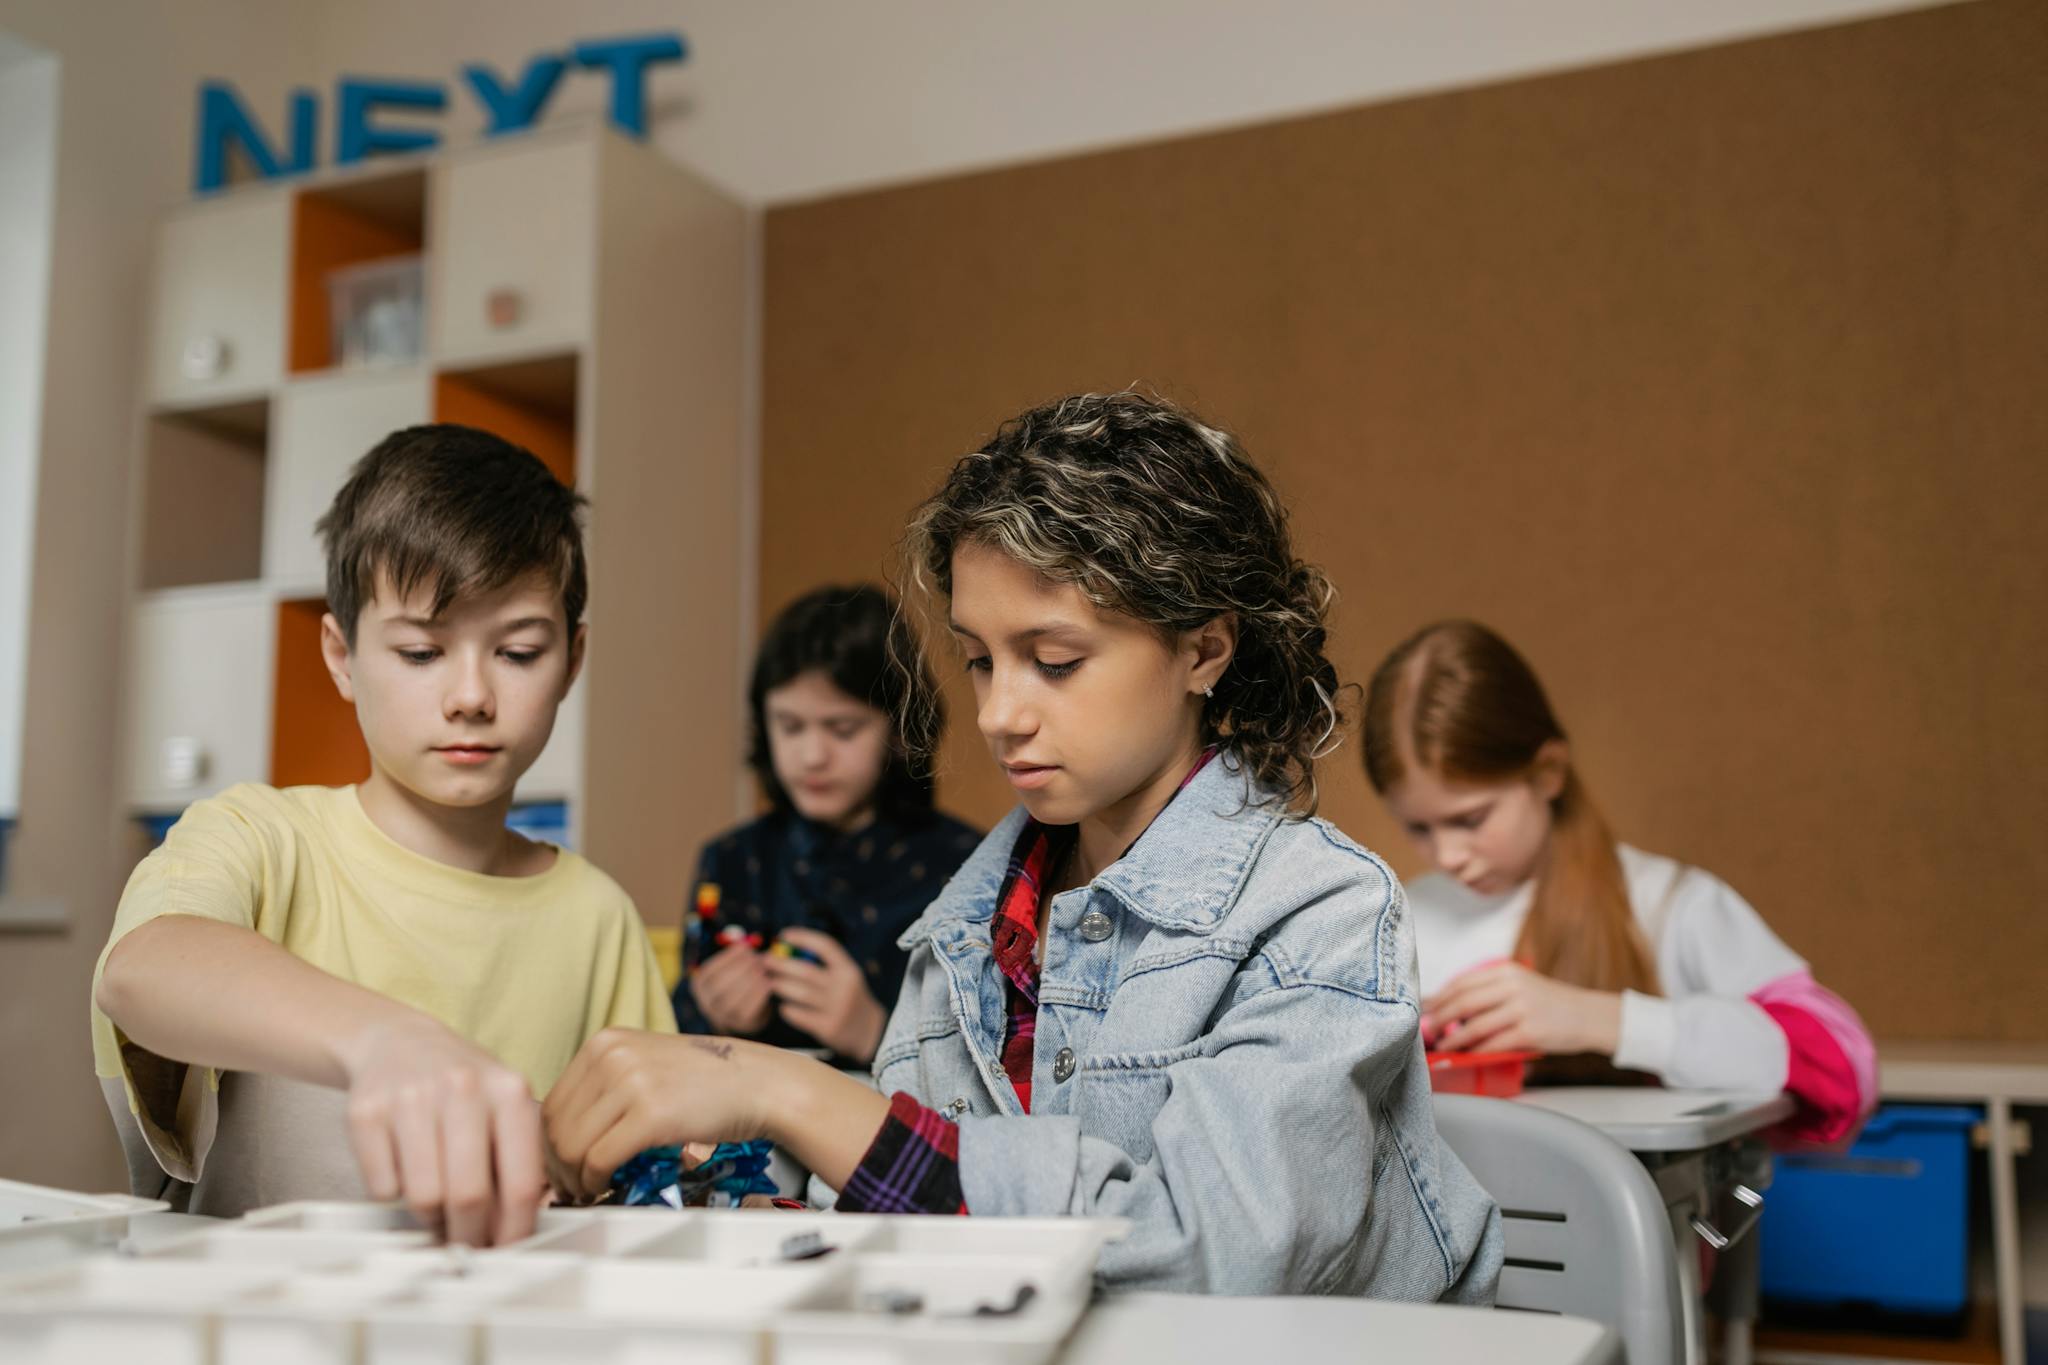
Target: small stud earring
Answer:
[[1209, 692]]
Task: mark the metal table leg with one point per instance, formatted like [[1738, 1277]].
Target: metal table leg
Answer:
[[2005, 1233]]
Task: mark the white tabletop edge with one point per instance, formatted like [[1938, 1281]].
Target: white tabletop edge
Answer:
[[1964, 1071], [1217, 1330], [1656, 1119]]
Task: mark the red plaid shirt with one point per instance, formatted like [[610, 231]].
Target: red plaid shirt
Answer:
[[913, 1165]]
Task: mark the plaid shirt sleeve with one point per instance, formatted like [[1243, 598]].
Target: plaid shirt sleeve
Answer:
[[912, 1166]]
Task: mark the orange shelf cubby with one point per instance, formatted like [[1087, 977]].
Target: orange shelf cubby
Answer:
[[530, 403], [333, 226], [314, 739]]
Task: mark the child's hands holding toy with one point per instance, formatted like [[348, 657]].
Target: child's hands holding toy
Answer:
[[1507, 1007], [826, 996], [732, 989], [626, 1091]]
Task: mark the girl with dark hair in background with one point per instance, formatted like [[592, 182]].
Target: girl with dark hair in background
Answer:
[[790, 933]]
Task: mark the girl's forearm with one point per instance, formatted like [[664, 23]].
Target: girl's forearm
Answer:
[[1603, 1022], [822, 1117]]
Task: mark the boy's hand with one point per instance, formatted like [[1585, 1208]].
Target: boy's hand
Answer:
[[731, 987], [628, 1090], [1506, 1007], [439, 1122], [828, 999]]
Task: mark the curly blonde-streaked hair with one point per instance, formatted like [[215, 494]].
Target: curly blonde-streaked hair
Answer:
[[1152, 512]]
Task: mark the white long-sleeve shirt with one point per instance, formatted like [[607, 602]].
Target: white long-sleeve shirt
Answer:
[[1738, 1010]]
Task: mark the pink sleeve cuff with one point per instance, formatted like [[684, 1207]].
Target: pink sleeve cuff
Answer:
[[1833, 1063]]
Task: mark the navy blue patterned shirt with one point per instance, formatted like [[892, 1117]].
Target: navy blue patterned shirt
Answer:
[[783, 871]]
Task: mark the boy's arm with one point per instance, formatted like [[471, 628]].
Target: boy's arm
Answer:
[[432, 1117]]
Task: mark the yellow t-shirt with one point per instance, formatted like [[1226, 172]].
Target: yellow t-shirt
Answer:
[[525, 967]]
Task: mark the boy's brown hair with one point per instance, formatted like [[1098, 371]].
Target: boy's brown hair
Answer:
[[457, 511]]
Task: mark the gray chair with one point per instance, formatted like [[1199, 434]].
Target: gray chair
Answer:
[[1586, 1230]]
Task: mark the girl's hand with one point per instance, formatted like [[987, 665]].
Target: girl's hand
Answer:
[[1506, 1007], [828, 999], [628, 1090], [732, 990]]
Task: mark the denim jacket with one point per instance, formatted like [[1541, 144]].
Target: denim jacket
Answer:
[[1227, 1054]]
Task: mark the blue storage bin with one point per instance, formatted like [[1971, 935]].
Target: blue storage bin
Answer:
[[1885, 1223], [544, 820], [157, 824]]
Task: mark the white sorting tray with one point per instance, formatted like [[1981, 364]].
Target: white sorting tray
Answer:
[[116, 1309], [629, 1312], [1070, 1246], [289, 1248], [424, 1307], [714, 1237], [40, 1226], [330, 1215], [361, 1284], [948, 1327]]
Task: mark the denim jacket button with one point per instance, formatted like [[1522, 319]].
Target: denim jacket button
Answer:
[[1096, 926], [1062, 1064]]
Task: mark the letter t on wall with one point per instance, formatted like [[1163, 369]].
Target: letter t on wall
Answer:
[[629, 59]]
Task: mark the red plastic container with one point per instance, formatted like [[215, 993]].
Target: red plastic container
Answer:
[[1498, 1074]]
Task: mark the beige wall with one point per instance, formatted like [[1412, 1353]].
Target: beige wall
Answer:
[[129, 69]]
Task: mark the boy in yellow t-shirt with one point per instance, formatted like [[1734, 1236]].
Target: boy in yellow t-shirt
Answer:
[[319, 992]]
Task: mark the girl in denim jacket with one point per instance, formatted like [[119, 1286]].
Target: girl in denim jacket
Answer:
[[1159, 989], [1540, 931]]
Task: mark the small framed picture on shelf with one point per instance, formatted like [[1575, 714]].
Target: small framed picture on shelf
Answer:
[[377, 308]]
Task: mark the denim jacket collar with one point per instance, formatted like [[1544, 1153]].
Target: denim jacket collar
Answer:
[[1184, 873]]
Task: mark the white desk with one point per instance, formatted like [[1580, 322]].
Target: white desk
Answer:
[[1688, 1140], [1997, 1076], [1646, 1118], [1221, 1331]]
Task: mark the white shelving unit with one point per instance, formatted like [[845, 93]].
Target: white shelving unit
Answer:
[[585, 298], [550, 255], [222, 273], [323, 425], [195, 701]]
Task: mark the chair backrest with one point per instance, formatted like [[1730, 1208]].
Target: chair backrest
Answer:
[[1585, 1228]]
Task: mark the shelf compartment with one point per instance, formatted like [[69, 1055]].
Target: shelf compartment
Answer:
[[199, 693], [314, 738], [203, 487], [350, 223], [530, 402], [324, 425]]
